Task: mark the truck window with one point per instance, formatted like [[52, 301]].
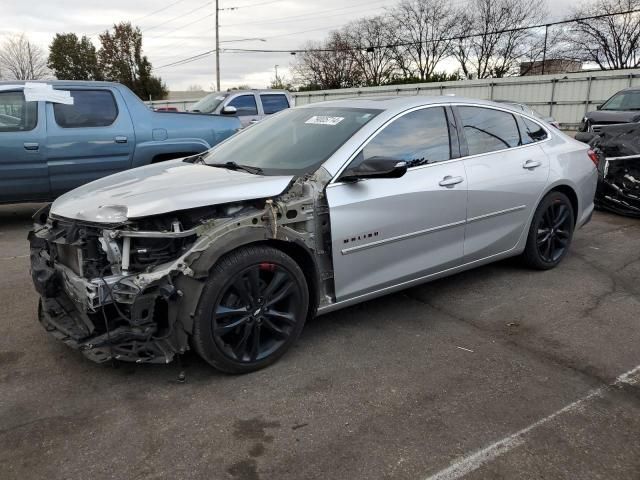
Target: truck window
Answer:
[[91, 108], [272, 103], [16, 115], [245, 104]]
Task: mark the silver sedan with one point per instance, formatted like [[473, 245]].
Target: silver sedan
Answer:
[[314, 209]]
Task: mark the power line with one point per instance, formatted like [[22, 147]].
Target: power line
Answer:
[[180, 28], [312, 15], [147, 15], [458, 37], [251, 5], [204, 5]]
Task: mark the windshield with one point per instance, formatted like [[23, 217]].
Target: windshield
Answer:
[[292, 142], [623, 101], [209, 103]]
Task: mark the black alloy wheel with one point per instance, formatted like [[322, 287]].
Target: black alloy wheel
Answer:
[[255, 315], [252, 309], [554, 232], [550, 233]]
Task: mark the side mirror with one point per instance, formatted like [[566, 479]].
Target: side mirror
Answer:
[[229, 110], [375, 167], [598, 107]]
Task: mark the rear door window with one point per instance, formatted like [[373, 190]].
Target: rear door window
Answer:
[[245, 104], [91, 108], [16, 115], [272, 103], [488, 130]]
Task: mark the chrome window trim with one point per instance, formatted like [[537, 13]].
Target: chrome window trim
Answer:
[[334, 180]]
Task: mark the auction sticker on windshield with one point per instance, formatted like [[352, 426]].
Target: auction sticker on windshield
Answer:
[[324, 120]]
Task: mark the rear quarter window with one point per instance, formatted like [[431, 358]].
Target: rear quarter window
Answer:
[[531, 131], [91, 108], [273, 103], [16, 115]]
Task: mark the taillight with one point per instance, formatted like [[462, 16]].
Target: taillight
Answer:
[[594, 157]]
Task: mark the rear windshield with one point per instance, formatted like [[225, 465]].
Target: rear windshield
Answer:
[[293, 141]]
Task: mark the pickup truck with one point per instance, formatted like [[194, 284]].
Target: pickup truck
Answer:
[[51, 145], [249, 106]]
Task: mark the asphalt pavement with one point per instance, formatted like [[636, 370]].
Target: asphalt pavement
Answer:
[[496, 373]]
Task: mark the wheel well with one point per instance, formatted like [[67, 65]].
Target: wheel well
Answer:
[[162, 157], [571, 195], [307, 264]]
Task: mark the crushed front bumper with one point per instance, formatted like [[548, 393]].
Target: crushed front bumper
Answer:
[[83, 315]]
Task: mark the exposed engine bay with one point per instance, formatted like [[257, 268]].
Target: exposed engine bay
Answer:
[[128, 291], [618, 147]]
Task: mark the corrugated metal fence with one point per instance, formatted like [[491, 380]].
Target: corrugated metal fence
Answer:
[[566, 97]]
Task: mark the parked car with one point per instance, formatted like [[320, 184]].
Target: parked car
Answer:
[[250, 106], [50, 148], [618, 150], [314, 209], [166, 109], [623, 107], [530, 111]]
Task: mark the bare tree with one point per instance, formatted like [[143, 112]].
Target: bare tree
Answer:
[[369, 40], [424, 29], [20, 59], [610, 42], [327, 65], [499, 44]]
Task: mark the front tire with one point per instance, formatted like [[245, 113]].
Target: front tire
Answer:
[[252, 309], [550, 233]]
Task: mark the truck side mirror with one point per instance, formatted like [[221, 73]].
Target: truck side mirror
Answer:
[[229, 110]]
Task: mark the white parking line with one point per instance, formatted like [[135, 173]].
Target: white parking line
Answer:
[[476, 459]]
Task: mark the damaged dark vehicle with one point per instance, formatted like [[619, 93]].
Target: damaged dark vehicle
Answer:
[[618, 151], [316, 208]]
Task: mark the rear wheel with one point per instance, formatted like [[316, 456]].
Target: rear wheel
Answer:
[[550, 233], [251, 311]]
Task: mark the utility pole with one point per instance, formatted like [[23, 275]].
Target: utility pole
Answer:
[[217, 48], [277, 79]]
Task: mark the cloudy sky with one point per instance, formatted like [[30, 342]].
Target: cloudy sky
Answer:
[[177, 29]]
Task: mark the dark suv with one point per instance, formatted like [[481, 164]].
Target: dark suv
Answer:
[[623, 107]]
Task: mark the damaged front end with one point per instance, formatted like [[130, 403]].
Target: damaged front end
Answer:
[[618, 148], [129, 290]]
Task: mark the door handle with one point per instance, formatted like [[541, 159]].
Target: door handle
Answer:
[[450, 181], [254, 121], [31, 146], [121, 139], [531, 164]]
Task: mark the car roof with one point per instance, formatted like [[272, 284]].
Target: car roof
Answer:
[[399, 103], [252, 90], [78, 83]]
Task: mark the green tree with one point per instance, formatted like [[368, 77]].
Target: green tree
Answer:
[[71, 58], [121, 60]]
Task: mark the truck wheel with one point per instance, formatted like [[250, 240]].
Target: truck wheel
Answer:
[[550, 233], [251, 311]]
